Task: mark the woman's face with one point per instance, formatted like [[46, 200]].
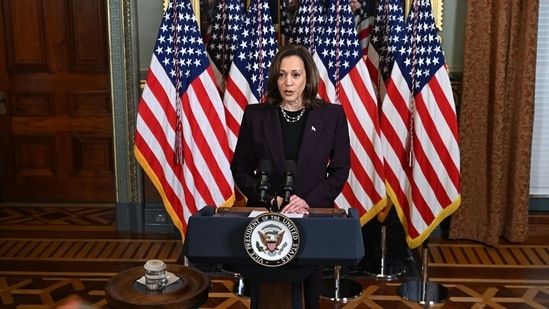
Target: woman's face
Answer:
[[292, 79]]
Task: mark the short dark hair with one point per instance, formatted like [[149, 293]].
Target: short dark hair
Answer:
[[310, 92]]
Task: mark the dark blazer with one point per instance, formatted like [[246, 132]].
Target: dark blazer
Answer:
[[323, 162]]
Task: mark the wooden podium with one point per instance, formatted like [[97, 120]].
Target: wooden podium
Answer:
[[328, 237]]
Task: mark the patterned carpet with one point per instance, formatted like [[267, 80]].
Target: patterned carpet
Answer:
[[49, 255]]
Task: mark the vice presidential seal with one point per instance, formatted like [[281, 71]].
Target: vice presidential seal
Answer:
[[271, 239]]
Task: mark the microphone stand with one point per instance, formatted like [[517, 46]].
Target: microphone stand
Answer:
[[274, 205], [266, 205]]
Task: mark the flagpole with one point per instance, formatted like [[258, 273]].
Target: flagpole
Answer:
[[339, 289], [423, 291], [196, 8], [382, 274]]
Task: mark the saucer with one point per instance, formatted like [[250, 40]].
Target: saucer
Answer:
[[172, 278]]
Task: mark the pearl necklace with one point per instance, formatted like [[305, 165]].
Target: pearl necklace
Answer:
[[289, 118]]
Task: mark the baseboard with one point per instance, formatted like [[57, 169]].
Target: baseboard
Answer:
[[538, 223], [129, 217]]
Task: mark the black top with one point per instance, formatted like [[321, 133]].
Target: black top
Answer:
[[292, 133]]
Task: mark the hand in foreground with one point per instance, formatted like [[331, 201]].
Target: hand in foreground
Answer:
[[75, 302], [297, 205]]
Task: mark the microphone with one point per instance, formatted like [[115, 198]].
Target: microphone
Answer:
[[288, 180], [264, 170]]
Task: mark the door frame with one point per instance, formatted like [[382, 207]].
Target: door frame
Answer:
[[124, 60]]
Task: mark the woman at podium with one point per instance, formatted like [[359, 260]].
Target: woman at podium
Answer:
[[293, 150]]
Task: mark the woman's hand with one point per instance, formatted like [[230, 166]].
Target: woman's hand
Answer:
[[297, 205]]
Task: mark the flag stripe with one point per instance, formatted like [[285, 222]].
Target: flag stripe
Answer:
[[235, 102]]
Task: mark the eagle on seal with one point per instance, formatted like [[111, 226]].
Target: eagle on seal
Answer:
[[271, 240]]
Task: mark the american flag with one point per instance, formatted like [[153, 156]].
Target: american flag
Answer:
[[247, 80], [388, 30], [308, 24], [286, 24], [364, 18], [345, 80], [181, 137], [419, 130], [228, 17]]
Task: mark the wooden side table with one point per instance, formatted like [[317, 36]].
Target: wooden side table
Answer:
[[190, 291]]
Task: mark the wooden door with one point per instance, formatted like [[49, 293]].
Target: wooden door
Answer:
[[56, 137]]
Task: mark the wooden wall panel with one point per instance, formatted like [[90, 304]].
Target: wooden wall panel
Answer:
[[35, 156], [60, 125], [151, 194], [88, 35], [26, 50], [92, 155], [27, 104], [89, 103]]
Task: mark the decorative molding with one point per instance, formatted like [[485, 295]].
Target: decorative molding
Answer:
[[125, 91], [438, 12]]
